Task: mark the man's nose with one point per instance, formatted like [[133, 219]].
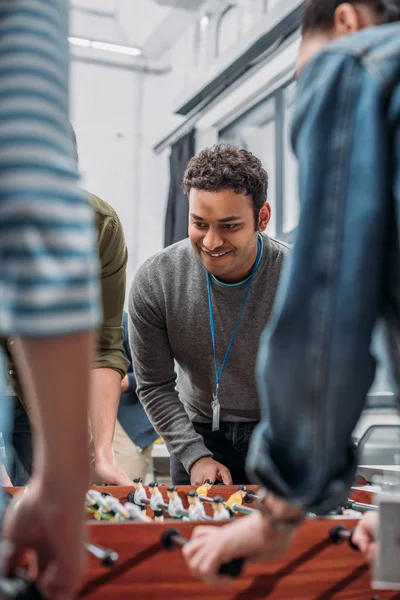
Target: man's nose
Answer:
[[212, 240]]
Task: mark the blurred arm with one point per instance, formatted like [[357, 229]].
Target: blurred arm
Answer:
[[314, 366]]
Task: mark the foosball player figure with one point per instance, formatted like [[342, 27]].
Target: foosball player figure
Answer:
[[175, 504], [135, 513], [139, 494], [93, 501], [155, 499], [109, 508], [220, 512], [120, 511], [236, 498], [204, 489], [196, 510]]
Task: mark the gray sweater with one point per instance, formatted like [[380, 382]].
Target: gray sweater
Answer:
[[171, 344]]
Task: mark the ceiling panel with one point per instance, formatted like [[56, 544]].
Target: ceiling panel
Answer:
[[119, 21]]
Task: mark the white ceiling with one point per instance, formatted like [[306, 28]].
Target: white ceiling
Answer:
[[120, 21]]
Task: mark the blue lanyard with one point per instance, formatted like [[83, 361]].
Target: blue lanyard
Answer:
[[218, 374]]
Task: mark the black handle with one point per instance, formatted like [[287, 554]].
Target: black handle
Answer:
[[19, 587], [340, 534], [250, 497], [233, 568], [169, 537]]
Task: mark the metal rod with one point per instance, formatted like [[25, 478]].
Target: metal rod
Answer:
[[360, 506], [249, 498], [165, 508], [106, 556], [206, 499], [244, 510], [179, 540]]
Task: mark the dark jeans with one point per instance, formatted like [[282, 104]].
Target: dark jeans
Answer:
[[229, 446], [19, 448]]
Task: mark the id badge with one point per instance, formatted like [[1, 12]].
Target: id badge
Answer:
[[215, 412], [386, 575]]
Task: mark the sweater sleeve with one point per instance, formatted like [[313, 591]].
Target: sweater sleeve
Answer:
[[153, 364]]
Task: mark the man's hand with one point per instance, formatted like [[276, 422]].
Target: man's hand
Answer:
[[53, 528], [207, 468], [109, 472], [125, 384], [365, 535], [249, 538]]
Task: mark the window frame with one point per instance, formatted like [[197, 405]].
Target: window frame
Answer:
[[276, 95], [220, 20]]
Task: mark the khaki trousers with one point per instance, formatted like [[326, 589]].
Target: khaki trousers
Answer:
[[130, 459], [134, 463]]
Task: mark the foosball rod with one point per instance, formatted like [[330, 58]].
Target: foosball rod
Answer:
[[165, 508], [107, 557], [171, 538], [144, 501], [244, 510], [340, 534], [360, 506], [249, 498], [206, 499]]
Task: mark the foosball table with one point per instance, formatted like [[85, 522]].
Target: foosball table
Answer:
[[135, 535]]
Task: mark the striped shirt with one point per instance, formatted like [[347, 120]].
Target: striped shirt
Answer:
[[48, 256]]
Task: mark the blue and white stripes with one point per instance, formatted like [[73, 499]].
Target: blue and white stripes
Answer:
[[48, 257]]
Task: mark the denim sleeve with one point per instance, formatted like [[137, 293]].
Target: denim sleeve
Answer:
[[314, 366]]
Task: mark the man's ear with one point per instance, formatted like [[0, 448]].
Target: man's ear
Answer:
[[264, 216], [349, 18]]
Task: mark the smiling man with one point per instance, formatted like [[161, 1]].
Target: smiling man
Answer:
[[196, 313]]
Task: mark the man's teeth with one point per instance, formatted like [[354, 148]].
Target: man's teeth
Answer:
[[216, 255]]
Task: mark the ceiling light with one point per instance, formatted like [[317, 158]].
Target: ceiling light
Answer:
[[116, 48], [79, 42], [107, 46], [204, 22]]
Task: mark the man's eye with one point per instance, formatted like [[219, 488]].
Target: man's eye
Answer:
[[199, 224], [230, 226]]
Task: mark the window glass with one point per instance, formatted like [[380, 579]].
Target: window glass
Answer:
[[256, 131]]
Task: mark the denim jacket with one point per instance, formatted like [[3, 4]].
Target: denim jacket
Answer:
[[315, 365]]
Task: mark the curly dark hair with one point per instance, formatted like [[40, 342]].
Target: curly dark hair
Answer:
[[225, 167]]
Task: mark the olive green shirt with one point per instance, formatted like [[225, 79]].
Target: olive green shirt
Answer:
[[113, 258]]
